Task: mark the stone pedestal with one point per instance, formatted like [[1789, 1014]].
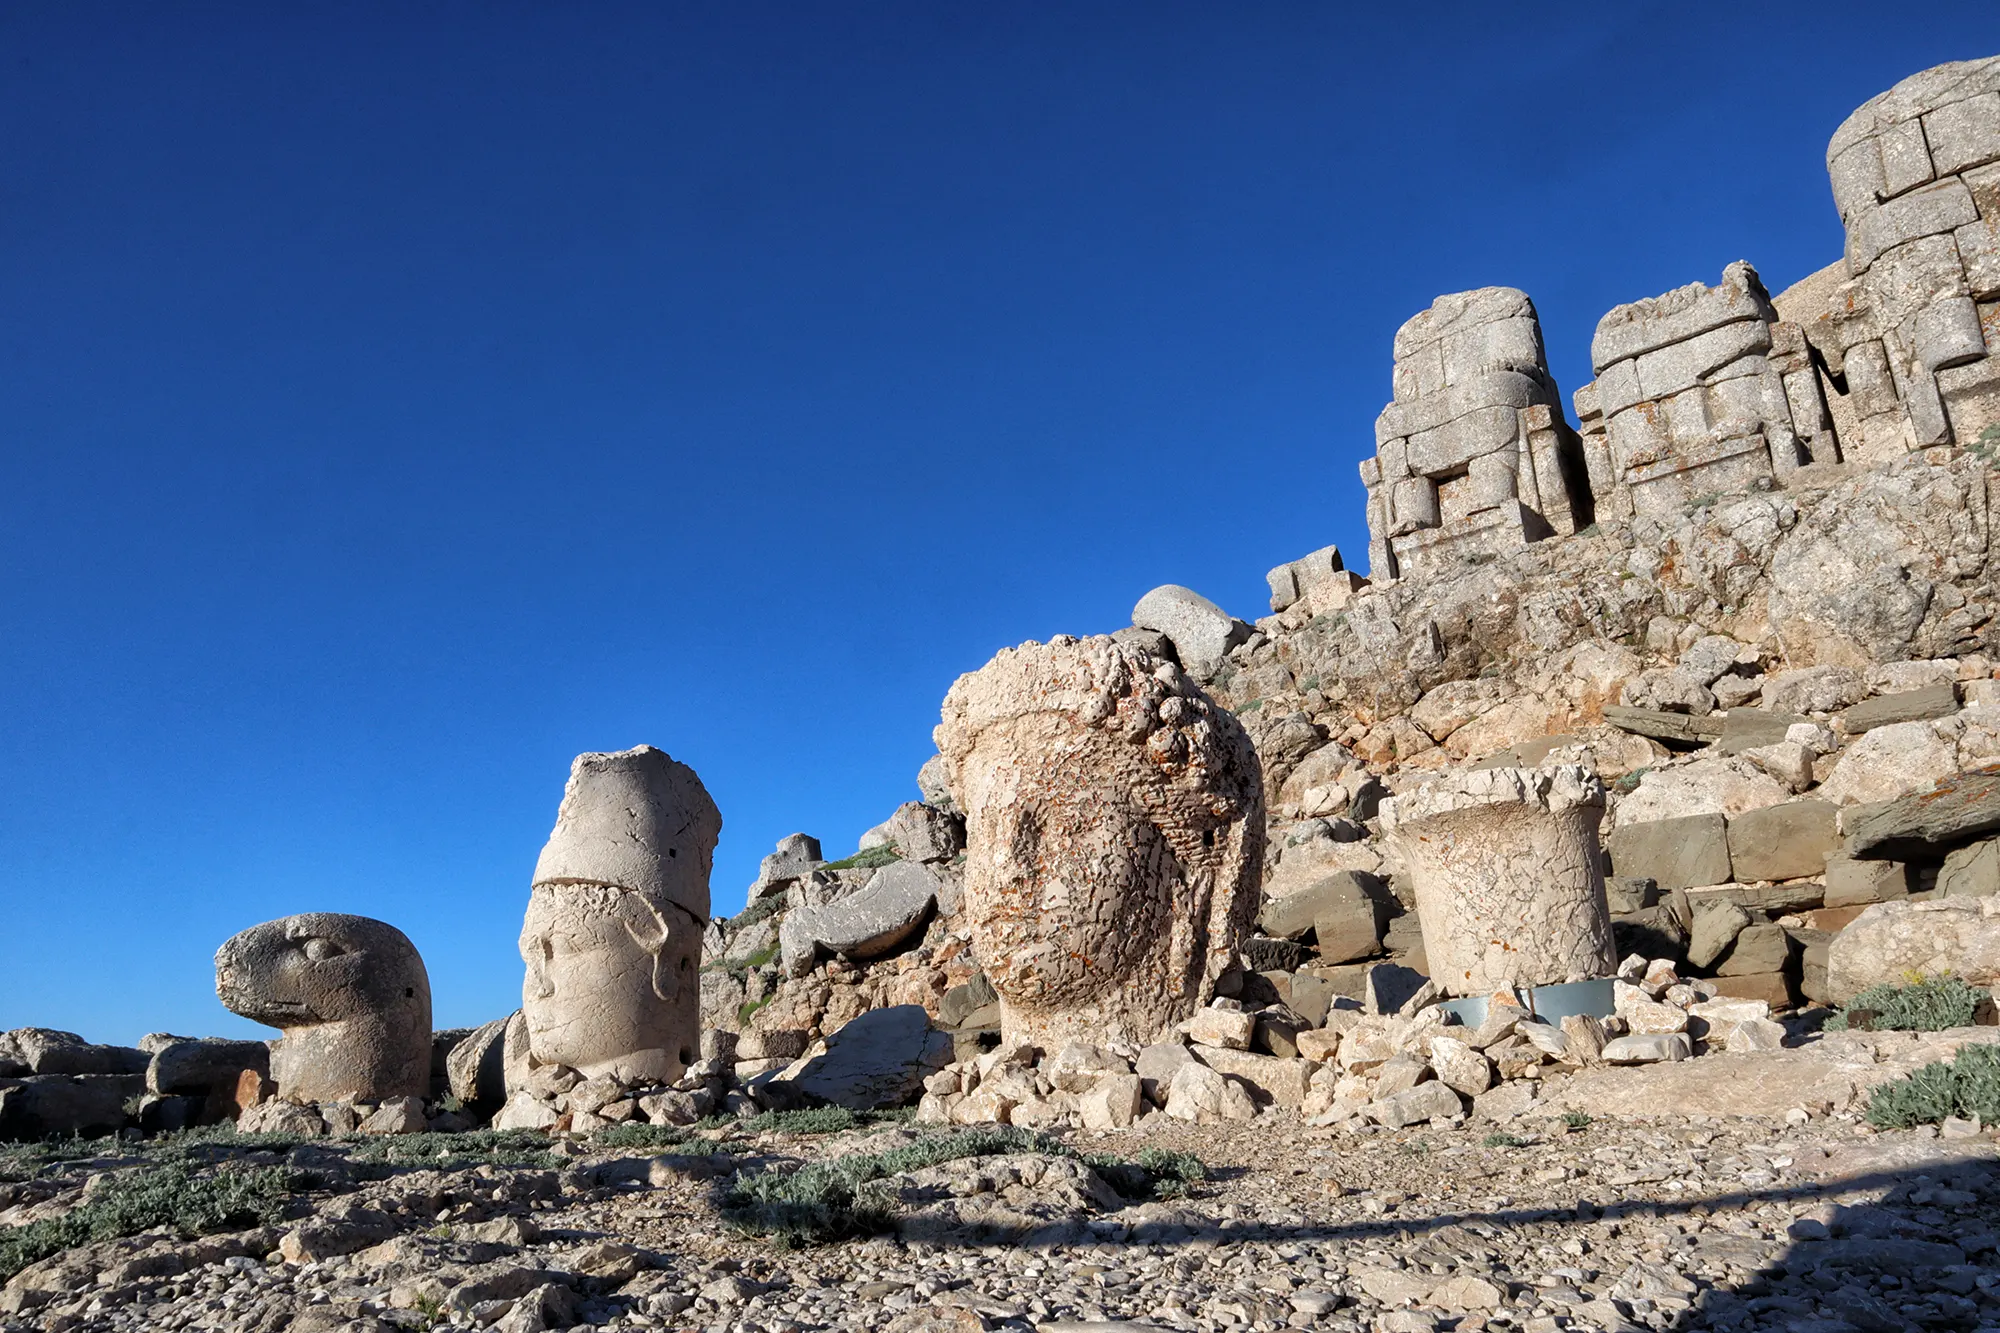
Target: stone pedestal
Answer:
[[1508, 876]]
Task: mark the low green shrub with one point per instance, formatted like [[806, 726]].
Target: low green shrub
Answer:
[[481, 1147], [1927, 1004], [174, 1195], [1505, 1141], [822, 1120], [639, 1134], [757, 911], [874, 858], [1172, 1173], [1966, 1085], [827, 1201]]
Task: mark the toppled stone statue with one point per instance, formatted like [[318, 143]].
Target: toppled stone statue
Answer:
[[1473, 456], [614, 925], [352, 997], [1509, 877], [1115, 832], [1916, 176], [1702, 390]]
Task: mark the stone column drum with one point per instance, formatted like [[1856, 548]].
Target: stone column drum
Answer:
[[351, 996], [612, 937], [1509, 879], [1114, 838]]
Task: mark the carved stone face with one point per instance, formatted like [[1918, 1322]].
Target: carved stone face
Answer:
[[611, 982], [1113, 836], [1071, 890]]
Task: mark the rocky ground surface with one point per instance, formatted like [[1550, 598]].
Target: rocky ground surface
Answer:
[[1798, 1223]]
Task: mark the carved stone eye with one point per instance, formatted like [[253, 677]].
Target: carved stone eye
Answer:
[[319, 950]]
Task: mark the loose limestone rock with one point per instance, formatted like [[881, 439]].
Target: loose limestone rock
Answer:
[[1201, 632], [614, 925], [1115, 832], [1891, 942], [351, 996], [880, 1059], [1680, 853], [1508, 875], [894, 904]]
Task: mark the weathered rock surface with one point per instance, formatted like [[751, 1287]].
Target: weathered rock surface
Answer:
[[1891, 942], [893, 905], [1201, 631], [879, 1059]]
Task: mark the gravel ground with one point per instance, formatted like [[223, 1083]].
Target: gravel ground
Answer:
[[1681, 1223]]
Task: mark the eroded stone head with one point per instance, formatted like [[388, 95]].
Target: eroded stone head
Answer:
[[611, 979], [612, 936], [351, 996], [1114, 837]]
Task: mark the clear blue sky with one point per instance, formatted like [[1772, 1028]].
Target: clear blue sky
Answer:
[[397, 400]]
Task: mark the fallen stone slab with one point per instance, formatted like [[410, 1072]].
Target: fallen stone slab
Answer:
[[1415, 1106], [1750, 728], [48, 1051], [1678, 853], [1156, 1066], [966, 999], [1764, 1085], [1677, 728], [200, 1067], [1773, 988], [1202, 632], [45, 1105], [476, 1068], [1645, 1048], [1264, 954], [1342, 892], [1758, 949], [1274, 1078], [1909, 706], [1856, 882], [879, 1059], [1923, 825], [1716, 926], [1788, 841], [1971, 871], [890, 908]]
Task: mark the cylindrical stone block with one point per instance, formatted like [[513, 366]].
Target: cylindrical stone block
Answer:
[[1508, 876]]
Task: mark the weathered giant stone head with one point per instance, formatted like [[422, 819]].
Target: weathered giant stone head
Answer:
[[351, 996], [1115, 832], [612, 939]]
